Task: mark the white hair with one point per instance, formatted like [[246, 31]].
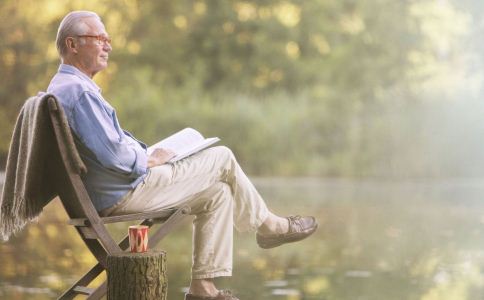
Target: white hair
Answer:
[[72, 24]]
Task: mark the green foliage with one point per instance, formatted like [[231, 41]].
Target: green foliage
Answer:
[[293, 87]]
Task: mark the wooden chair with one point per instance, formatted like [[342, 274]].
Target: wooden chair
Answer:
[[84, 217]]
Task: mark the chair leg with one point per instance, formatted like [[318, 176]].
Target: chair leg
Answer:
[[92, 274], [167, 226], [101, 290], [83, 282], [174, 219], [164, 229]]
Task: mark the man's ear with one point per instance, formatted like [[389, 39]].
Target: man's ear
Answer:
[[71, 44]]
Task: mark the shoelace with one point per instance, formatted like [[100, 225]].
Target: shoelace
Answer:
[[295, 221]]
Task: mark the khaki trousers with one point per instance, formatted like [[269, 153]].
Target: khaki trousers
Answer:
[[220, 195]]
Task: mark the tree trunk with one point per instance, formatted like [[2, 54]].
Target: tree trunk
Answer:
[[140, 276]]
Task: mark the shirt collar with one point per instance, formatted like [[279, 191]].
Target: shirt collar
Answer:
[[69, 69]]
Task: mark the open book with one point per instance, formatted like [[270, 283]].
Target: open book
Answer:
[[184, 143]]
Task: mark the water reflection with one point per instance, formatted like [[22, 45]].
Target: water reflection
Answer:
[[377, 240]]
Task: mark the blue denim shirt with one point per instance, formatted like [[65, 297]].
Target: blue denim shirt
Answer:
[[116, 162]]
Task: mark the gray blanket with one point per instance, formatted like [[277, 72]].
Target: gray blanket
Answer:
[[29, 182]]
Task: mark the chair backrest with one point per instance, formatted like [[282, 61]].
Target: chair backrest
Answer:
[[68, 169]]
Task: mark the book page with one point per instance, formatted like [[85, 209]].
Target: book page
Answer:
[[184, 143], [195, 148]]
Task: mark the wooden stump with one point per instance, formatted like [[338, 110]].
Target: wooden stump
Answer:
[[140, 276]]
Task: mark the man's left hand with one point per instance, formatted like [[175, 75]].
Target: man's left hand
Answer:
[[159, 157]]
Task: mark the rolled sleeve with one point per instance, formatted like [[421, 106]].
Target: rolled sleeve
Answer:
[[96, 125], [141, 163]]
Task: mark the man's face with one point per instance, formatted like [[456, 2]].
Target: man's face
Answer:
[[93, 53]]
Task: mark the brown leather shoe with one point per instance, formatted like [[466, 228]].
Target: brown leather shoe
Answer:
[[222, 295], [299, 228]]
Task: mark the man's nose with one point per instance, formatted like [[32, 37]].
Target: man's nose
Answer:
[[107, 47]]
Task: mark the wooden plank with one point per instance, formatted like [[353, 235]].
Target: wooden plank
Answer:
[[157, 217], [163, 215], [83, 290], [88, 233], [99, 292], [84, 281], [79, 222]]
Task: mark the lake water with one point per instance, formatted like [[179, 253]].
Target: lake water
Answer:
[[413, 239]]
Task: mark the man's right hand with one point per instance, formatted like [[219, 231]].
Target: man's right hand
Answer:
[[159, 157]]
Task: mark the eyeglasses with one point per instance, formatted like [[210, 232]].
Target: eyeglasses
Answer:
[[100, 39]]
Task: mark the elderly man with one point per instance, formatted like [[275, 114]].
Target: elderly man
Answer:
[[123, 179]]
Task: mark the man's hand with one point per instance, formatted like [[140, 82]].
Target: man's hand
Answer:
[[159, 157]]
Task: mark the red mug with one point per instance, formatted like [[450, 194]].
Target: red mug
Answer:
[[138, 238]]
